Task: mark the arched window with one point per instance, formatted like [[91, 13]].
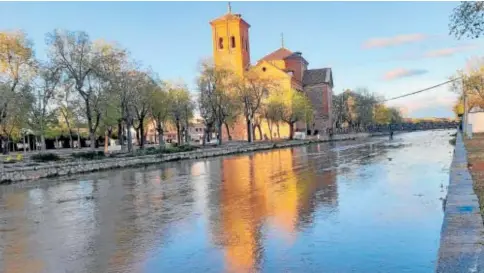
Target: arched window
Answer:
[[232, 42], [221, 43], [247, 44]]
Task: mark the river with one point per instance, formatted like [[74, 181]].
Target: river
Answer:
[[367, 206]]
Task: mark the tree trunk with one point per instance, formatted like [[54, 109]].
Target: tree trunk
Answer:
[[249, 129], [260, 131], [78, 138], [187, 125], [161, 141], [120, 133], [142, 133], [42, 142], [291, 130], [129, 137], [137, 135], [228, 131], [106, 141], [278, 132], [204, 138], [92, 137], [209, 133], [269, 124], [220, 133], [178, 133]]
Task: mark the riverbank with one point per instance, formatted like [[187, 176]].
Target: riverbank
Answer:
[[462, 234], [46, 170]]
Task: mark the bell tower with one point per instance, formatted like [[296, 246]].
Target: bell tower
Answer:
[[230, 38]]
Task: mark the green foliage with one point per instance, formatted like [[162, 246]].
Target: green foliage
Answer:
[[90, 155], [147, 151], [45, 157], [178, 149]]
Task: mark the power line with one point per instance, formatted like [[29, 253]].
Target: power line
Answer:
[[422, 90]]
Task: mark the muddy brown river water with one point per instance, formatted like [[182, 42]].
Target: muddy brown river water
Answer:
[[371, 206]]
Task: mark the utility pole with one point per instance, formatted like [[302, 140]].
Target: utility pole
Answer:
[[464, 118]]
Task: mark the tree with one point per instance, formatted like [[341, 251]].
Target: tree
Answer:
[[214, 84], [42, 111], [273, 112], [74, 54], [470, 83], [251, 90], [467, 20], [297, 107], [181, 108], [160, 110], [365, 104], [207, 115], [142, 103], [68, 106], [16, 120], [116, 69], [17, 67]]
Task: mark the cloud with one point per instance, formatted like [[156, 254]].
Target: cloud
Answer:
[[446, 52], [402, 73], [393, 41]]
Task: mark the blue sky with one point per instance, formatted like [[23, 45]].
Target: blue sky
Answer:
[[390, 48]]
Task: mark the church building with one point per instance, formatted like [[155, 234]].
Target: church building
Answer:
[[231, 49]]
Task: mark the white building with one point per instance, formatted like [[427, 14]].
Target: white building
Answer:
[[475, 118]]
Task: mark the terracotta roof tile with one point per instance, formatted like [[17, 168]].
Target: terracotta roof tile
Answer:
[[279, 54]]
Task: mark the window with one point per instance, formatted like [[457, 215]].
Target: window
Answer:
[[220, 43], [247, 45], [232, 42], [264, 69]]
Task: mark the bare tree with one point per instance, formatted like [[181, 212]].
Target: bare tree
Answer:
[[214, 85], [74, 54], [142, 103], [251, 90], [42, 110], [160, 110], [467, 20], [180, 109]]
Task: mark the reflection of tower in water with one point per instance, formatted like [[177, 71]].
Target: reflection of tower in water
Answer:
[[265, 186]]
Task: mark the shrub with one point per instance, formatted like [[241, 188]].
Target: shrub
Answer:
[[178, 149], [45, 157], [452, 141], [91, 155]]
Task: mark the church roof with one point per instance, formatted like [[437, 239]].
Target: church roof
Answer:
[[279, 54], [317, 76]]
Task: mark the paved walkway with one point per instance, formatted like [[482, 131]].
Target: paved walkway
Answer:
[[462, 235]]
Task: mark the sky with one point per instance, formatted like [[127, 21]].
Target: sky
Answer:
[[390, 48]]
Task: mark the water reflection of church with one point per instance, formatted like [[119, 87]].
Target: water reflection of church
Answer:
[[281, 188]]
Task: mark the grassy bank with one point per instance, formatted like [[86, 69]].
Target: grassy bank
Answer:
[[475, 156]]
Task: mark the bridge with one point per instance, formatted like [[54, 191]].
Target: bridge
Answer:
[[404, 126]]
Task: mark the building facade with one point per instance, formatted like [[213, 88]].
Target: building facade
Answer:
[[231, 49]]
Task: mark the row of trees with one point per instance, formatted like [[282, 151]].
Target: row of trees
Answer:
[[224, 96], [360, 108], [83, 84], [97, 87]]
